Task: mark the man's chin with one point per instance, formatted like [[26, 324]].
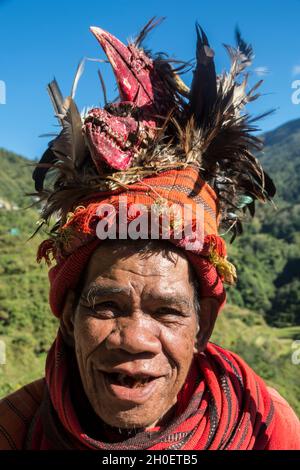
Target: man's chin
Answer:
[[132, 416], [130, 421], [131, 408], [155, 412], [141, 418]]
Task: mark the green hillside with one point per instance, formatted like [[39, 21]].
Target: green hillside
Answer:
[[282, 159], [260, 322], [267, 256], [15, 177]]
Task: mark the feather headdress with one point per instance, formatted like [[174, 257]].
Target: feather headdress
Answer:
[[158, 124]]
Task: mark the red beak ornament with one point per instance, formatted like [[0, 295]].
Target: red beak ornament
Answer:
[[118, 132]]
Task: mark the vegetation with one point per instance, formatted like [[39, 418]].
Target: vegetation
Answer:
[[26, 325], [268, 350], [267, 256], [262, 318]]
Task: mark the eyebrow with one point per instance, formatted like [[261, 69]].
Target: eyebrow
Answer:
[[172, 299], [95, 290]]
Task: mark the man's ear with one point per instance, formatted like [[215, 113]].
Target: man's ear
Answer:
[[67, 318], [209, 308]]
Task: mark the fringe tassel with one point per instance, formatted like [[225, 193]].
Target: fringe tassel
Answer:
[[45, 249]]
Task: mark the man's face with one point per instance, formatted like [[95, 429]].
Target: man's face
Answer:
[[134, 331]]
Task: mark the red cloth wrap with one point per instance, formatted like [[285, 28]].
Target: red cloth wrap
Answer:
[[222, 405]]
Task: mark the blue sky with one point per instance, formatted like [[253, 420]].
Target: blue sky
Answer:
[[43, 39]]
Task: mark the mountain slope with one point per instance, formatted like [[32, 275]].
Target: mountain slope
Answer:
[[281, 158], [15, 178]]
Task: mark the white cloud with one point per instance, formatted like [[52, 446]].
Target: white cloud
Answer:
[[296, 70], [261, 71]]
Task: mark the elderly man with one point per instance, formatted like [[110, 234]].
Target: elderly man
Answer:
[[132, 366]]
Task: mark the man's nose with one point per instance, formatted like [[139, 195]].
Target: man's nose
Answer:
[[134, 334]]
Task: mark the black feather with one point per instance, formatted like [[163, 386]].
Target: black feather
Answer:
[[270, 188], [204, 88], [245, 48], [151, 24], [39, 173]]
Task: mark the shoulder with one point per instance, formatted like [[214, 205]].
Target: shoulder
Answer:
[[16, 413], [286, 433]]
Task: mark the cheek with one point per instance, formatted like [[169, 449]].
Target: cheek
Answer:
[[178, 343], [89, 333]]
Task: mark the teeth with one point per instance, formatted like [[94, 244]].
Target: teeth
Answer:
[[126, 380], [117, 140]]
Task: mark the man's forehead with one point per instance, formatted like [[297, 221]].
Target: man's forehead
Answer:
[[117, 278], [110, 258], [114, 269]]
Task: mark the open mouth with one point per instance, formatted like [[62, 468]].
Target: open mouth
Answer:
[[136, 389], [129, 381]]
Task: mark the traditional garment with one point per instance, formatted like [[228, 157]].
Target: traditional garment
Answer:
[[222, 405], [161, 144]]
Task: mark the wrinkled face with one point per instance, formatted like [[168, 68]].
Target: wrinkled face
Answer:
[[134, 329]]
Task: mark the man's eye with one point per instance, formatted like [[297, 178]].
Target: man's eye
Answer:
[[168, 311], [102, 308], [109, 305]]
